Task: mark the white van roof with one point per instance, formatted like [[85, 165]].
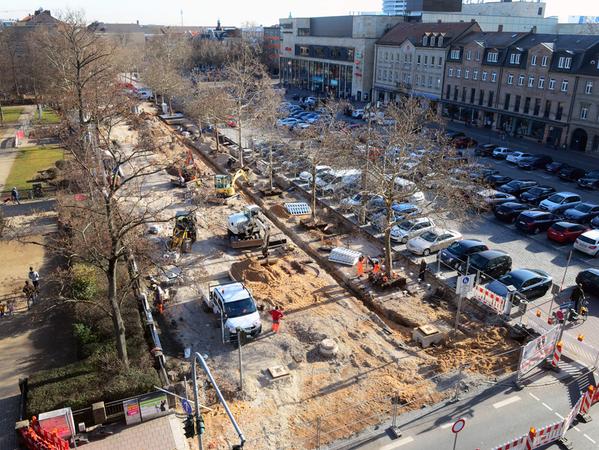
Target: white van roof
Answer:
[[233, 292]]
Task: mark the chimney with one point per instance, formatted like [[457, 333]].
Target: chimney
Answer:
[[500, 28], [137, 21]]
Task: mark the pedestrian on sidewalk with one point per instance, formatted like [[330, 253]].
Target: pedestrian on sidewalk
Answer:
[[14, 195], [35, 278], [276, 314], [29, 292], [2, 310]]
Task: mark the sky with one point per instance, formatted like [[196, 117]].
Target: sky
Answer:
[[234, 12]]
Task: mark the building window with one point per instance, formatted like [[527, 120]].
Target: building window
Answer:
[[564, 62], [466, 74], [477, 55], [405, 57], [537, 107], [533, 60], [430, 82], [506, 103], [475, 75], [458, 73], [521, 80], [432, 43], [541, 83], [547, 109], [425, 40], [588, 89], [472, 95], [418, 59], [438, 83], [425, 60], [481, 97], [492, 57], [517, 103], [455, 54], [490, 101], [450, 72], [531, 82], [544, 61], [551, 84], [484, 77], [494, 77], [564, 86], [469, 55], [304, 51], [464, 94], [432, 60], [440, 60], [455, 94], [514, 58], [510, 78], [526, 105], [440, 41], [584, 112], [560, 111], [447, 91]]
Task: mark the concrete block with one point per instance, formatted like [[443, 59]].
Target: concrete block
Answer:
[[426, 335], [99, 413]]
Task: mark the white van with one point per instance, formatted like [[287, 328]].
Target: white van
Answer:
[[401, 184], [588, 243]]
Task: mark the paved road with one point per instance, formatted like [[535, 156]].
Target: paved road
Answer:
[[493, 416]]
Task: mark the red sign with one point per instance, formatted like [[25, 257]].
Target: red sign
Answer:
[[458, 426]]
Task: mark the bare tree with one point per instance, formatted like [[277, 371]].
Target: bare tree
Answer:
[[9, 49]]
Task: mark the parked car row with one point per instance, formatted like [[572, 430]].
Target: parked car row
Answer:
[[297, 116]]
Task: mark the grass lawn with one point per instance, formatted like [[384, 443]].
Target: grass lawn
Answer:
[[11, 113], [29, 161], [48, 116]]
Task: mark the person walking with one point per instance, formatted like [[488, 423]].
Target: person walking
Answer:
[[14, 195], [276, 314], [422, 271], [577, 298], [35, 278], [360, 266], [2, 310], [29, 292]]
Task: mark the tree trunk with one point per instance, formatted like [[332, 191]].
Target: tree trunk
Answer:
[[216, 137], [270, 183], [240, 143], [313, 197], [388, 251], [117, 319]]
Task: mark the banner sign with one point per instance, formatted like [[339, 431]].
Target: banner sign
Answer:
[[132, 411], [538, 350], [153, 405]]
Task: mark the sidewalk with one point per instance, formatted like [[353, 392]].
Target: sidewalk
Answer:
[[483, 135]]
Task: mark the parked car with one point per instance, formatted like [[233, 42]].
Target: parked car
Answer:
[[288, 122], [306, 175], [565, 232], [482, 173], [451, 135], [432, 241], [342, 180], [507, 212], [497, 180], [404, 209], [531, 283], [588, 280], [355, 201], [492, 197], [559, 202], [357, 113], [460, 251], [517, 187], [489, 263], [408, 229], [590, 180], [501, 152], [595, 223], [588, 242], [464, 142], [571, 173], [535, 195], [534, 162], [485, 149], [534, 221], [516, 157], [582, 213], [555, 167]]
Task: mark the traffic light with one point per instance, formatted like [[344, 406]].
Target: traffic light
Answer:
[[189, 427], [201, 426]]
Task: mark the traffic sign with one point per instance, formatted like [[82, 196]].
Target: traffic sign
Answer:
[[458, 426], [186, 406], [464, 284]]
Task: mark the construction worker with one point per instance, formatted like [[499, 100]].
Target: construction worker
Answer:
[[376, 266], [422, 270], [577, 298], [360, 266], [277, 315]]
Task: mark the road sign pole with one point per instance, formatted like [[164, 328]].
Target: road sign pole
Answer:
[[455, 440], [457, 313]]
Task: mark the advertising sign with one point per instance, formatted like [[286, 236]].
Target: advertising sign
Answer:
[[132, 411], [60, 420], [538, 350], [153, 405]]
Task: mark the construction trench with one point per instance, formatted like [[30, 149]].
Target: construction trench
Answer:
[[344, 350]]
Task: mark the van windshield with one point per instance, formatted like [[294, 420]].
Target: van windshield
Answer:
[[240, 308]]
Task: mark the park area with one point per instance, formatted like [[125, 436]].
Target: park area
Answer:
[[29, 162], [11, 114]]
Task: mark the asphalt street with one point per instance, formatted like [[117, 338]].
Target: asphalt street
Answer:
[[492, 417]]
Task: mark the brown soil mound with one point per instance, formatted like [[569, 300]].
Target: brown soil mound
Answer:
[[280, 211]]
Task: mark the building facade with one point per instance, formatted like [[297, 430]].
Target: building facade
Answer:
[[332, 55], [535, 86], [410, 59], [417, 7], [271, 47]]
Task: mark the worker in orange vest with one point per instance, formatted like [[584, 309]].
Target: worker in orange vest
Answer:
[[276, 315], [360, 266], [376, 266]]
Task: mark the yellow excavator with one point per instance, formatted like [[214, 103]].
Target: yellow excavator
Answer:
[[224, 185]]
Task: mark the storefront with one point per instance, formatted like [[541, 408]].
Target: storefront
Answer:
[[319, 77]]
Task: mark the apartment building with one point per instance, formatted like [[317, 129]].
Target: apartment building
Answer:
[[410, 58], [584, 121]]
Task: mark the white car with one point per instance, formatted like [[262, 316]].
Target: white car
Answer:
[[306, 176], [516, 157], [493, 197], [560, 201], [288, 122], [501, 152], [310, 101], [433, 241], [408, 229], [357, 113], [588, 243]]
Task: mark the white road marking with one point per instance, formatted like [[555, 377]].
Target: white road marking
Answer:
[[506, 402], [547, 406], [560, 416], [589, 438], [534, 396], [446, 425], [577, 429], [397, 444]]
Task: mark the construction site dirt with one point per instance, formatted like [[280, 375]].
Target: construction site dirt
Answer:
[[320, 398]]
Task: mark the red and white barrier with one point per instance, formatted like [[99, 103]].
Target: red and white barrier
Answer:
[[557, 354], [516, 444], [530, 439], [490, 299], [587, 400], [548, 434]]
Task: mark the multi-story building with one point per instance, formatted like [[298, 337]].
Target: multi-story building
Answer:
[[332, 55], [410, 59], [271, 47], [472, 76], [417, 7], [537, 86]]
